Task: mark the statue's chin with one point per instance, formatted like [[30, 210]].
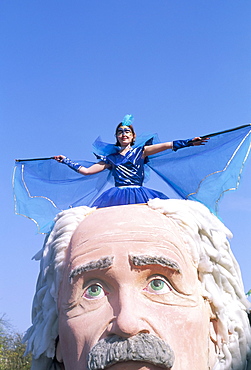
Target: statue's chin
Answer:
[[135, 365]]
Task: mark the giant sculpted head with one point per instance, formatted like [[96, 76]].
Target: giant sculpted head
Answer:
[[139, 287]]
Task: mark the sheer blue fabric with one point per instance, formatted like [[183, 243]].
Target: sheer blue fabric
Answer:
[[104, 149], [43, 188], [206, 172]]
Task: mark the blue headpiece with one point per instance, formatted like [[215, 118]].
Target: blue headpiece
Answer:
[[127, 120]]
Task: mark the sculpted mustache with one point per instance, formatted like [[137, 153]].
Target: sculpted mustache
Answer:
[[141, 347]]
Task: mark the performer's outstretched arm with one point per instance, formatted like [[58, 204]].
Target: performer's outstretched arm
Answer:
[[174, 145], [95, 168]]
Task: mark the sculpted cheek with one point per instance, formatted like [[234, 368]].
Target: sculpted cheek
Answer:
[[76, 340]]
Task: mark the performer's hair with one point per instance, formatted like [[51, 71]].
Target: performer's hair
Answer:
[[206, 239], [131, 128]]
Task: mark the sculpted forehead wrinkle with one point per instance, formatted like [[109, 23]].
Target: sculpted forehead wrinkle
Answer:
[[132, 231], [159, 236], [119, 227], [138, 218]]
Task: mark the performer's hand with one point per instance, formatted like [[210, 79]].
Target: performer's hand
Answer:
[[59, 158], [199, 141]]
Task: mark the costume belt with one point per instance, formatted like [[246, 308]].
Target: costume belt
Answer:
[[128, 186]]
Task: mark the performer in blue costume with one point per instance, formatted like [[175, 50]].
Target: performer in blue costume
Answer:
[[126, 163], [42, 188]]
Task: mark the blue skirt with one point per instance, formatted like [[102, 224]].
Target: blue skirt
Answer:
[[118, 196]]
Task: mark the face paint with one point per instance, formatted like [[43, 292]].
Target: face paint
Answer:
[[122, 131]]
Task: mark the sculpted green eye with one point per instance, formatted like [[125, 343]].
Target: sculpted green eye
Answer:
[[94, 291], [158, 286]]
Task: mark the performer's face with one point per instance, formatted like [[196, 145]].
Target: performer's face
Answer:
[[133, 293], [124, 135]]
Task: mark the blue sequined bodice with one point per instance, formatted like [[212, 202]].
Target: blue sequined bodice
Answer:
[[127, 169]]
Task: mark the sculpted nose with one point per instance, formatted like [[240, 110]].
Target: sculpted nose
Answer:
[[128, 317]]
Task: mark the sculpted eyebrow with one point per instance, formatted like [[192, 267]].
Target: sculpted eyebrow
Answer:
[[102, 263], [144, 260]]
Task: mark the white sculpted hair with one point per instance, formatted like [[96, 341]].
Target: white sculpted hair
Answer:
[[206, 239]]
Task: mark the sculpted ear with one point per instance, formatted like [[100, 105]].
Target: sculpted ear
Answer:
[[214, 337]]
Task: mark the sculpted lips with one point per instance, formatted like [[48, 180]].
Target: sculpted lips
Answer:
[[142, 347]]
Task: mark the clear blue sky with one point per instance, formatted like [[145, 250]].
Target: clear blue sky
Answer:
[[70, 71]]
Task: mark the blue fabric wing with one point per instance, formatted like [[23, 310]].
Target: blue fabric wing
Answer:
[[42, 188], [205, 173]]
